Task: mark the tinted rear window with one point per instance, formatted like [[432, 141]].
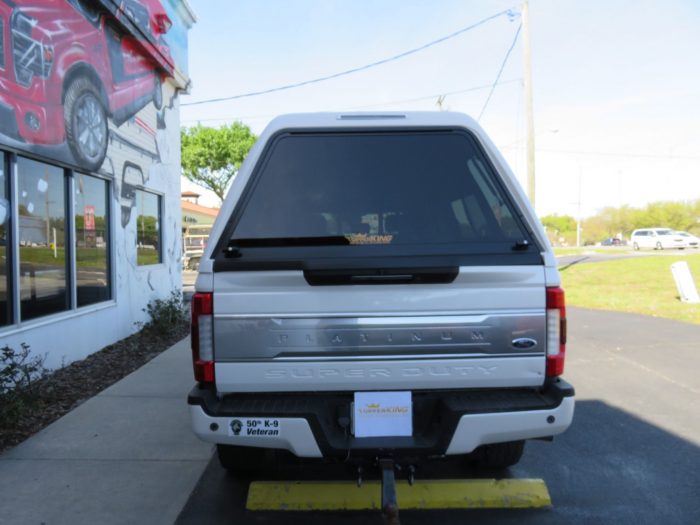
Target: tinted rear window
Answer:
[[415, 192]]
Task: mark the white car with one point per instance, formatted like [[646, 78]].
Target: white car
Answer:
[[691, 241], [377, 286], [657, 238]]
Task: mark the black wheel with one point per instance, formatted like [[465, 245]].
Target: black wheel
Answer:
[[635, 246], [659, 246], [500, 455], [85, 120], [240, 460], [158, 93]]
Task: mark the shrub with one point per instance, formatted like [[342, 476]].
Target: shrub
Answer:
[[18, 375], [166, 315]]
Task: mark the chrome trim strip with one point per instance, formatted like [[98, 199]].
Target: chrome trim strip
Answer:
[[388, 357], [354, 338], [384, 315]]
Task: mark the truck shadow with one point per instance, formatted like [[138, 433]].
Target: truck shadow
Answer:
[[609, 467]]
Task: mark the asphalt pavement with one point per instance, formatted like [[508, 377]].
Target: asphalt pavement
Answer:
[[188, 279], [616, 253], [632, 455]]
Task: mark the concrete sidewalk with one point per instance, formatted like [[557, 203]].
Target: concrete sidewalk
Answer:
[[125, 456]]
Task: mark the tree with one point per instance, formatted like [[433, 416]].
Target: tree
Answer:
[[560, 227], [677, 215], [211, 157], [559, 223]]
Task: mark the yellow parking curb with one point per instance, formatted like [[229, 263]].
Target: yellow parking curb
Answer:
[[425, 494]]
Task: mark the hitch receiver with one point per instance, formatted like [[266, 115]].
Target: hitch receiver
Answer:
[[390, 507]]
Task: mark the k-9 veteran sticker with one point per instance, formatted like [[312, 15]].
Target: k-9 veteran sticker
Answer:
[[255, 427]]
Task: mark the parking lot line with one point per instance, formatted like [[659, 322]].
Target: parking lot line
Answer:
[[425, 494]]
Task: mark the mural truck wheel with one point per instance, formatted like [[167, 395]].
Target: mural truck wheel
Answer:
[[126, 216], [86, 123]]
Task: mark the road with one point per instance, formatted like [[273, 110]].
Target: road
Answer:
[[632, 455], [617, 253], [188, 279]]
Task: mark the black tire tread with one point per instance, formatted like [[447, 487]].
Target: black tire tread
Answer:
[[500, 455], [240, 460]]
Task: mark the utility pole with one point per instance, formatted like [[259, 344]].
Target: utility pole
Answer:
[[529, 112], [578, 215], [441, 102]]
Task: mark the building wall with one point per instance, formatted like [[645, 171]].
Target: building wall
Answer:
[[114, 46], [193, 215]]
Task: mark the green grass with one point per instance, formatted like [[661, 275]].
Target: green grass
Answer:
[[146, 256], [642, 285], [42, 255], [92, 258]]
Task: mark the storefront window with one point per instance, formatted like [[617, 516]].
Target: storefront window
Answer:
[[42, 247], [148, 245], [91, 240], [4, 244]]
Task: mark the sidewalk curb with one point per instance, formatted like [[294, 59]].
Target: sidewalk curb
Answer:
[[127, 455]]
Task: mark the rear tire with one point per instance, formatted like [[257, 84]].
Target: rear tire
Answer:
[[240, 460], [500, 455], [659, 246], [635, 246]]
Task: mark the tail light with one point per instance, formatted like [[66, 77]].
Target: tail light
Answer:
[[203, 337], [556, 331]]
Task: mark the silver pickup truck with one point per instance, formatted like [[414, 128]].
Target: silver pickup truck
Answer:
[[377, 286]]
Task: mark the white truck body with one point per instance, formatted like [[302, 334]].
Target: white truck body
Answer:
[[289, 328]]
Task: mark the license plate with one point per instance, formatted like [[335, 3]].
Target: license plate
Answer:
[[383, 414]]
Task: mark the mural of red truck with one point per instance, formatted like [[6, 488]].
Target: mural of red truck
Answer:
[[68, 67]]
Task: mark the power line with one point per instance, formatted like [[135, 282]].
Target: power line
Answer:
[[500, 71], [613, 154], [373, 105], [432, 43], [442, 93]]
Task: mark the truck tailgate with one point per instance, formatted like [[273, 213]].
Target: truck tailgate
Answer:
[[486, 329]]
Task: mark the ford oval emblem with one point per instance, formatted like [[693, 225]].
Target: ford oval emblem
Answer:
[[523, 343]]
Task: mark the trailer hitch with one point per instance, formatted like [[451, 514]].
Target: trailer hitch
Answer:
[[390, 507]]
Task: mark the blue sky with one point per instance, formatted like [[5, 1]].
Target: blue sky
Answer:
[[616, 84]]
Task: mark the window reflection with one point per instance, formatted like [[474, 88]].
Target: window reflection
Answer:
[[4, 244], [42, 248], [148, 228], [91, 240]]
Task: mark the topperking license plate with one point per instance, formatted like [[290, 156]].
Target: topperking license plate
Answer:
[[383, 414]]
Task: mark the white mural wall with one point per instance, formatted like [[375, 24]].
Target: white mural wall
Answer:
[[112, 114]]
